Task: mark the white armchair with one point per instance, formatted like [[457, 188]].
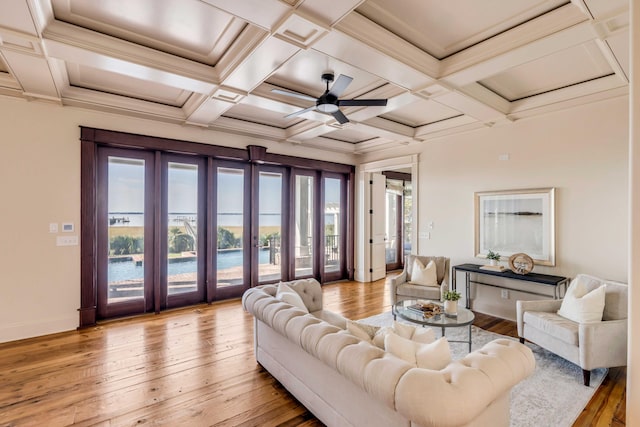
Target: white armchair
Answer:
[[588, 345], [403, 289]]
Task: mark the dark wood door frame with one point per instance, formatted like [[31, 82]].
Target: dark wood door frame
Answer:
[[92, 139]]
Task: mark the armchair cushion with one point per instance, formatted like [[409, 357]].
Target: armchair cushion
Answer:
[[424, 275], [553, 324]]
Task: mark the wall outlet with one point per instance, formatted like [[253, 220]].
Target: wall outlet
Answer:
[[504, 293]]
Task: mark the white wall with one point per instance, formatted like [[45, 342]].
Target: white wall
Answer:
[[633, 355], [581, 152], [40, 184]]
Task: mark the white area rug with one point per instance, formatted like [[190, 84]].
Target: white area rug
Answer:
[[553, 396]]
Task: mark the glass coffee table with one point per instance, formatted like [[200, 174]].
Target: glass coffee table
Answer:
[[465, 317]]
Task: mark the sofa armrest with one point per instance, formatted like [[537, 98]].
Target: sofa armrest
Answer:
[[543, 305], [398, 280], [603, 344], [395, 282]]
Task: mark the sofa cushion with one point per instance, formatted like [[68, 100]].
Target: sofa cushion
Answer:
[[424, 275], [330, 317], [582, 304], [435, 355], [553, 324], [288, 295]]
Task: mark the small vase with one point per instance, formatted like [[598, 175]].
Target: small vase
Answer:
[[451, 308], [493, 262]]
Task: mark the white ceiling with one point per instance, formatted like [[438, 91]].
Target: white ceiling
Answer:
[[444, 66]]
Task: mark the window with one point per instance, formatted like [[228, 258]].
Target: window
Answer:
[[168, 223]]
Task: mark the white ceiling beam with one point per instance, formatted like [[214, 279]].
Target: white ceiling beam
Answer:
[[92, 49], [603, 84], [470, 106], [33, 74], [108, 102], [260, 64], [448, 124], [496, 53], [359, 54]]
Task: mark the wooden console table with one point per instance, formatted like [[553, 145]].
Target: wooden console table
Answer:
[[542, 279]]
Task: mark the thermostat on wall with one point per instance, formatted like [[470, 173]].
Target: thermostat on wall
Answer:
[[67, 227]]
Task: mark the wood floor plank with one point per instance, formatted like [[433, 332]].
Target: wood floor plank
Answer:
[[193, 366]]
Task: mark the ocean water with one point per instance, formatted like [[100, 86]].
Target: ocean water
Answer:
[[136, 219]]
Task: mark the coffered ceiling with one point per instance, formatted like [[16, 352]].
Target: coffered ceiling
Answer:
[[444, 66]]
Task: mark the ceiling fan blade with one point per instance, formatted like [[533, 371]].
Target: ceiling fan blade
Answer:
[[297, 113], [294, 94], [341, 118], [340, 85], [363, 102]]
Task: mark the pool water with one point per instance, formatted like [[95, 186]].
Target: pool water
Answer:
[[128, 270]]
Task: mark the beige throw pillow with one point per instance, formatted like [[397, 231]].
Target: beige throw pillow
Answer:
[[288, 295], [435, 356], [581, 305], [424, 275], [410, 332], [362, 330]]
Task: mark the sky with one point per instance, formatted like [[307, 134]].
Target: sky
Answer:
[[126, 188]]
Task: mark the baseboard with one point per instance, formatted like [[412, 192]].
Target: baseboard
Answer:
[[24, 330]]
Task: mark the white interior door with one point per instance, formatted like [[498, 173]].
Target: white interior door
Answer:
[[377, 223]]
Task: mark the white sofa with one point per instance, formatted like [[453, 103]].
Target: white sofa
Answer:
[[345, 381]]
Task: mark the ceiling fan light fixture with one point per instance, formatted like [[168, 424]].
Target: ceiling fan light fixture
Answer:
[[327, 108]]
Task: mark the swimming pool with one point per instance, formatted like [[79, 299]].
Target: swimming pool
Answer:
[[128, 270]]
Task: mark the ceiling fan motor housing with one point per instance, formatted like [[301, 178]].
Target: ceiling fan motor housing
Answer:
[[327, 103]]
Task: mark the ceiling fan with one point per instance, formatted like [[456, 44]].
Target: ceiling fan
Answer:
[[329, 102]]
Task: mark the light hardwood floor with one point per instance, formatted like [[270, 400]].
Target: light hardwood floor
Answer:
[[190, 367]]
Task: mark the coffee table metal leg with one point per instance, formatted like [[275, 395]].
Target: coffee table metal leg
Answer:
[[469, 338]]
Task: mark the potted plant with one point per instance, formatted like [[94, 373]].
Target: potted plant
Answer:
[[493, 257], [451, 302]]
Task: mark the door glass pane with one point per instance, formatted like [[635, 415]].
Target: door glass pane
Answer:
[[391, 248], [332, 224], [303, 251], [230, 256], [125, 273], [269, 226], [407, 205], [182, 220]]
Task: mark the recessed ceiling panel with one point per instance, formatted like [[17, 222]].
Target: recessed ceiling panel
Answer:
[[257, 115], [602, 9], [443, 28], [421, 113], [351, 136], [186, 28], [118, 84], [304, 72], [561, 69]]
